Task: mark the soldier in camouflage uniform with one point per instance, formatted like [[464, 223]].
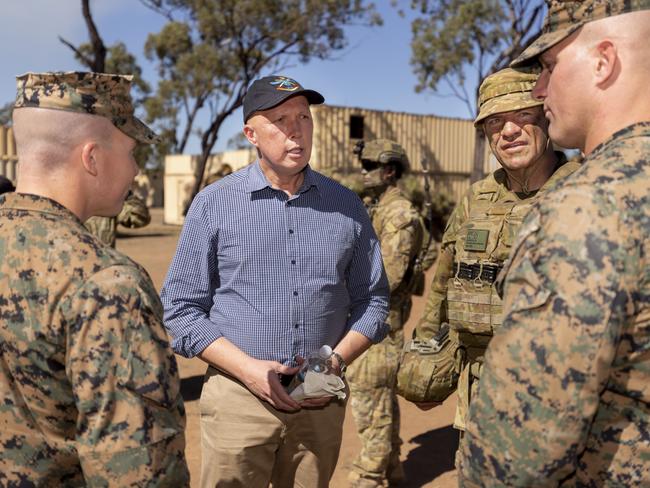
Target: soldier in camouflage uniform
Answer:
[[483, 226], [89, 387], [134, 214], [564, 396], [372, 376]]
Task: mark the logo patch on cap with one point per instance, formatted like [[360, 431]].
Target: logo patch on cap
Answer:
[[285, 84]]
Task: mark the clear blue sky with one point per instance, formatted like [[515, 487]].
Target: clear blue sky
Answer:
[[372, 72]]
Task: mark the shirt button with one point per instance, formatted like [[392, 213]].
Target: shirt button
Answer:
[[293, 261], [296, 326], [290, 231], [288, 204], [295, 293]]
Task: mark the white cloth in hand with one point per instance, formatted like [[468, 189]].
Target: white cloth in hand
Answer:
[[319, 385]]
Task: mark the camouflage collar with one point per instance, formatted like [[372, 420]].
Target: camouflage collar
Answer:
[[36, 203], [391, 193], [500, 178], [639, 129]]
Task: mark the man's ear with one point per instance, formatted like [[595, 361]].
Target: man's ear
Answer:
[[250, 134], [607, 64], [389, 171], [89, 155]]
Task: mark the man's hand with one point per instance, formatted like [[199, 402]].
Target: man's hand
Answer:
[[262, 378]]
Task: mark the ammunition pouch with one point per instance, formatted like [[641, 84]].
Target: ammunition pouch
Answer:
[[429, 369]]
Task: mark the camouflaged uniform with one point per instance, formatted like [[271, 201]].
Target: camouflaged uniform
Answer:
[[134, 214], [564, 394], [89, 385], [372, 376], [476, 243], [565, 390]]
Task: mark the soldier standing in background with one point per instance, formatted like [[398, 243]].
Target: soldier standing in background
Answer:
[[372, 377], [89, 386], [564, 396], [481, 232], [134, 214]]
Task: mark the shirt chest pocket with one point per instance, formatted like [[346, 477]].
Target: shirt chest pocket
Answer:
[[332, 247]]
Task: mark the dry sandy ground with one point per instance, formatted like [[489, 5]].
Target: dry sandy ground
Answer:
[[429, 439]]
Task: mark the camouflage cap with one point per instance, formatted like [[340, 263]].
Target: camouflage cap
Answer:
[[565, 17], [507, 90], [102, 94], [384, 151]]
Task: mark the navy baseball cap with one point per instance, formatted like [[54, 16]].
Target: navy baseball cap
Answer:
[[271, 91]]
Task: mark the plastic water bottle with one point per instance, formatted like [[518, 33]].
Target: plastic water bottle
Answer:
[[318, 361]]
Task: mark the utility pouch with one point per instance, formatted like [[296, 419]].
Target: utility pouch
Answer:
[[428, 369]]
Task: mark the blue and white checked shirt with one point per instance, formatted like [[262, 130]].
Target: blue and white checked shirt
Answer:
[[276, 276]]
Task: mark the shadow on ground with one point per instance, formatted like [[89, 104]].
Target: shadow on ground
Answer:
[[433, 456], [191, 387]]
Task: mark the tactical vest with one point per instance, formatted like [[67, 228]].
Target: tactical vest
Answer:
[[483, 243]]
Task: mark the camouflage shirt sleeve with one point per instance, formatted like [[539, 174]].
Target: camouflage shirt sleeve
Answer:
[[125, 382], [435, 307], [546, 366], [399, 239]]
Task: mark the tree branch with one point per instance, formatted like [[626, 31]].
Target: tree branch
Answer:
[[84, 59], [99, 49]]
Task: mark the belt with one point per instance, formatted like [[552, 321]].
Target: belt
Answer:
[[486, 272]]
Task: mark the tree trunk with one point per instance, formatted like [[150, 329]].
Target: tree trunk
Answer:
[[479, 154]]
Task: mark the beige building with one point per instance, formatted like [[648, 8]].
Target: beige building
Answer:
[[446, 143], [8, 157]]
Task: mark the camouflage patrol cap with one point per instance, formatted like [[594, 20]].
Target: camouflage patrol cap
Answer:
[[565, 17], [507, 90], [384, 151], [102, 94]]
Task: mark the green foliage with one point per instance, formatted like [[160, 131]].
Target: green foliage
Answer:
[[211, 50], [451, 35]]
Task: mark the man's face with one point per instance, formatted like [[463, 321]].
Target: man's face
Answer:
[[283, 136], [517, 138], [564, 92], [374, 174], [117, 171]]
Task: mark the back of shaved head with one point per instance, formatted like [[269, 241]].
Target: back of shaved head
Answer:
[[48, 137]]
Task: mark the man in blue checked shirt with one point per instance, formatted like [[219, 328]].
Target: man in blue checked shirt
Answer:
[[273, 261]]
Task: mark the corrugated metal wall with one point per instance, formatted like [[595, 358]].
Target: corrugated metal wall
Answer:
[[446, 143], [8, 157]]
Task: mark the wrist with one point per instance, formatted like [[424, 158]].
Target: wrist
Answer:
[[340, 363]]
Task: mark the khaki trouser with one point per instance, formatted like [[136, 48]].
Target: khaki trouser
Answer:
[[247, 443]]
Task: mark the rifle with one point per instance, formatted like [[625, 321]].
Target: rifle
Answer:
[[428, 203]]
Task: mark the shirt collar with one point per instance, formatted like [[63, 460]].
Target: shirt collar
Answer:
[[37, 203], [257, 180]]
